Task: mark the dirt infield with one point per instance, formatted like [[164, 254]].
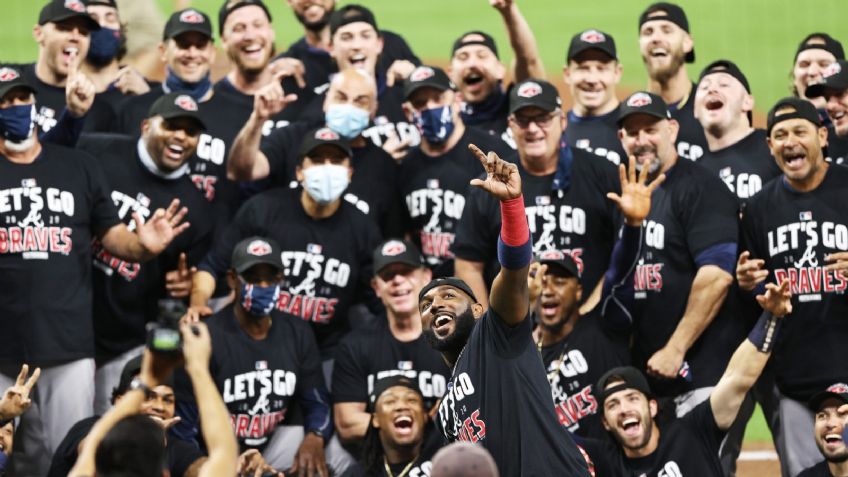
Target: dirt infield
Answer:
[[754, 465]]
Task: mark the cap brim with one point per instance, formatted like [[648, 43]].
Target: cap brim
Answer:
[[186, 29], [382, 265], [627, 114], [690, 57], [582, 48], [425, 84], [816, 401], [821, 89], [344, 149], [526, 104], [92, 23], [176, 114], [553, 264], [245, 266], [6, 89]]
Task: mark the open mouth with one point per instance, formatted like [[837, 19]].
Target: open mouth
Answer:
[[833, 439], [714, 104], [472, 79], [442, 323], [794, 159], [549, 309], [358, 60], [659, 52], [69, 52], [174, 151], [630, 426], [403, 425], [254, 49]]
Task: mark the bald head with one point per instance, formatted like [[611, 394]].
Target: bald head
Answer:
[[355, 87], [462, 459]]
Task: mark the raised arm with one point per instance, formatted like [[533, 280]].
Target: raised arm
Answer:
[[527, 63], [509, 297], [751, 356]]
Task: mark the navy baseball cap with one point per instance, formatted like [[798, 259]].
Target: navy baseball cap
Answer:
[[232, 5], [396, 251], [323, 136], [475, 37], [669, 12], [176, 105], [105, 3], [591, 40], [728, 67], [802, 109], [351, 14], [187, 20], [10, 78], [837, 391], [448, 281], [426, 77], [383, 384], [559, 263], [534, 92], [59, 10], [834, 77], [821, 41], [254, 251], [643, 102], [627, 377]]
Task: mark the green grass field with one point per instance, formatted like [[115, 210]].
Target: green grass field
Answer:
[[760, 35]]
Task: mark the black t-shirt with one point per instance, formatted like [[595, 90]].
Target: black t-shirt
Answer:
[[819, 470], [436, 189], [575, 364], [691, 141], [372, 189], [319, 65], [596, 134], [837, 148], [794, 232], [126, 293], [580, 220], [499, 397], [687, 447], [327, 261], [369, 354], [745, 166], [179, 454], [491, 116], [422, 465], [49, 212], [690, 212], [258, 379]]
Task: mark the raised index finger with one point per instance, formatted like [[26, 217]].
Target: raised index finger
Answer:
[[481, 156]]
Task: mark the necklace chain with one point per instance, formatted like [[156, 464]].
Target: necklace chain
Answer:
[[403, 472]]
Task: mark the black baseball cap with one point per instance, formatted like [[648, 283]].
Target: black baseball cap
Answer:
[[834, 77], [484, 39], [320, 137], [534, 92], [837, 391], [821, 41], [187, 20], [396, 251], [105, 3], [643, 102], [132, 369], [254, 251], [176, 105], [559, 263], [803, 109], [351, 14], [382, 384], [426, 77], [628, 377], [669, 12], [232, 5], [447, 281], [10, 78], [59, 10], [589, 40], [726, 66]]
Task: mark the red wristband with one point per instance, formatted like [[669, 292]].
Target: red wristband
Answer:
[[514, 229]]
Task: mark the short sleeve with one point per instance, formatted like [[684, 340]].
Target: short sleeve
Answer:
[[103, 213], [506, 341]]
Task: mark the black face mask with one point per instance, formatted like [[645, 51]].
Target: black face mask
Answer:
[[456, 341]]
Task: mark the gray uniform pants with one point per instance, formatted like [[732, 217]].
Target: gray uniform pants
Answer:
[[106, 378]]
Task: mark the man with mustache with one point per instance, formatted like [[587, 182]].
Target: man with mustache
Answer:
[[829, 408]]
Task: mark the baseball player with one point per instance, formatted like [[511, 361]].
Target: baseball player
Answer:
[[833, 89], [495, 364], [592, 72], [737, 153], [828, 407], [666, 46], [791, 230]]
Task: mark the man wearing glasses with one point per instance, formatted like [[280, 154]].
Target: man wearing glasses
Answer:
[[564, 196]]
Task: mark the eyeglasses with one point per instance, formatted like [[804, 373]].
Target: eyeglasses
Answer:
[[541, 120]]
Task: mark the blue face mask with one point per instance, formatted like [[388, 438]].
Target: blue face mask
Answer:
[[175, 84], [16, 122], [104, 46], [346, 120], [436, 125], [258, 301], [325, 183]]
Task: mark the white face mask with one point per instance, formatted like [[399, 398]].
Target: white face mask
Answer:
[[325, 183]]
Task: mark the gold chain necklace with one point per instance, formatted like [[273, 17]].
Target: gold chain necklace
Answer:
[[403, 472]]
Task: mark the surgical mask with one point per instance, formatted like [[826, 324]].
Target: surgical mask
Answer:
[[17, 122], [436, 125], [197, 91], [346, 120], [325, 183], [258, 301], [104, 46]]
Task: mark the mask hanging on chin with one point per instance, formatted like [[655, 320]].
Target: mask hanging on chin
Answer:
[[104, 46], [436, 125], [346, 120], [325, 183], [259, 301], [17, 123], [197, 91]]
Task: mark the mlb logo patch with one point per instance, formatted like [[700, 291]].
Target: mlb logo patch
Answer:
[[28, 183], [807, 215], [75, 5], [543, 200], [261, 365], [638, 100], [432, 183], [185, 102], [258, 248], [8, 74], [684, 371], [313, 248], [529, 90], [191, 16], [405, 365], [592, 36]]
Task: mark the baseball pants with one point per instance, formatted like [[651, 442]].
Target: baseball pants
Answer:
[[106, 378]]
